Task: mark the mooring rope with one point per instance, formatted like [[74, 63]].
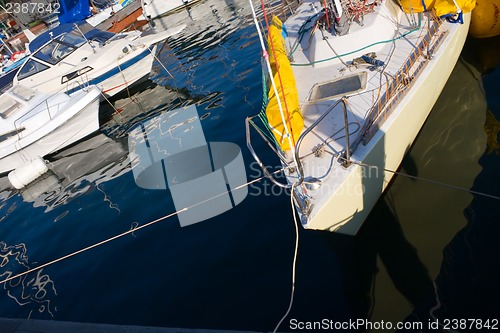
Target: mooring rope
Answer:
[[161, 64], [132, 230], [294, 264]]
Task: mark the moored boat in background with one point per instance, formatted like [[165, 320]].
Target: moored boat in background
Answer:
[[34, 124], [73, 56]]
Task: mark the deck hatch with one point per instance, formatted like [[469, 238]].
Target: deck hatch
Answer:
[[339, 87]]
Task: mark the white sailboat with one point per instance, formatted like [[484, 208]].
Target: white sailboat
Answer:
[[360, 79]]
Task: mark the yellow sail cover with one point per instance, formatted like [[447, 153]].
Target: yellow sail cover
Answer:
[[450, 7], [285, 82], [440, 7], [416, 6]]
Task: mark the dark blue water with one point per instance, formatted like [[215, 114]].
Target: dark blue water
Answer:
[[233, 271]]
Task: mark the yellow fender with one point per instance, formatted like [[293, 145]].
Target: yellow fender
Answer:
[[485, 19]]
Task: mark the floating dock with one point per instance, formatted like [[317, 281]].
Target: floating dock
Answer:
[[48, 326]]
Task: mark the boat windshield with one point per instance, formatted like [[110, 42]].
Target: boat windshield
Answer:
[[60, 47], [29, 68]]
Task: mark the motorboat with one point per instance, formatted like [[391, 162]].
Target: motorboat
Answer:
[[98, 158], [73, 56], [34, 124], [356, 81]]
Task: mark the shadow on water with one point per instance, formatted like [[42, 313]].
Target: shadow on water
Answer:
[[391, 268], [467, 287], [381, 240], [381, 237]]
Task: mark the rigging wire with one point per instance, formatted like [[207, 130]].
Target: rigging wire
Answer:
[[358, 50], [72, 254], [159, 61], [427, 180]]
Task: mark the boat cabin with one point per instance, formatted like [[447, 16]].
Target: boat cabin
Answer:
[[55, 49]]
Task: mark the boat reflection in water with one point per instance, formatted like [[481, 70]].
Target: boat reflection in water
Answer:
[[467, 283], [75, 171], [99, 158], [203, 16], [164, 149], [34, 292], [210, 34]]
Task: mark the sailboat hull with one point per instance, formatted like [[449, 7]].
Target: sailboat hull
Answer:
[[349, 202]]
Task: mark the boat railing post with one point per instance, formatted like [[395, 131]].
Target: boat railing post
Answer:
[[429, 51], [347, 161], [300, 169], [48, 109], [85, 37]]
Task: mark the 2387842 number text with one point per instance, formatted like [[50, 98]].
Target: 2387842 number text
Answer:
[[32, 8]]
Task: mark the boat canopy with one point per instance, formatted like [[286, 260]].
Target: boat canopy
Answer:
[[73, 10], [73, 29]]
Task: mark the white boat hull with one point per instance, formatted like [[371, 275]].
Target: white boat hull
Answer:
[[132, 74], [74, 123]]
